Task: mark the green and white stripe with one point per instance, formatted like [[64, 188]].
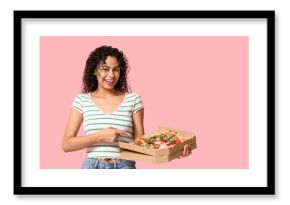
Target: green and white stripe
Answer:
[[95, 120]]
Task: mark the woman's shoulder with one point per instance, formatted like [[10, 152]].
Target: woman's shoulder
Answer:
[[132, 94], [82, 96]]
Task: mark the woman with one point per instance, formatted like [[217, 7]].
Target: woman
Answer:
[[109, 112]]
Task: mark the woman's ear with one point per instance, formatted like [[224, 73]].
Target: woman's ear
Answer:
[[96, 72]]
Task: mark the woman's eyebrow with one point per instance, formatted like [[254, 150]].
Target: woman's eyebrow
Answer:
[[104, 65]]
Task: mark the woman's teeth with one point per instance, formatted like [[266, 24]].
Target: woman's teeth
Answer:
[[109, 81]]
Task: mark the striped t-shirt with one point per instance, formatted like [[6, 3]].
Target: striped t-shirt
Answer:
[[95, 120]]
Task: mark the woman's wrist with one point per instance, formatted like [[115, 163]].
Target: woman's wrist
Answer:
[[97, 137]]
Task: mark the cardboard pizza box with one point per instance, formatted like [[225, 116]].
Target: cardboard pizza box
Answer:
[[137, 156], [133, 152]]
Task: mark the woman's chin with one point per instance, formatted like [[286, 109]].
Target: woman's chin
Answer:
[[106, 87]]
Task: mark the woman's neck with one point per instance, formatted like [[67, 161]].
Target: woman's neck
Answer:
[[105, 93]]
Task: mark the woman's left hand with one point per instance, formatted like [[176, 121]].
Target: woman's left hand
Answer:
[[186, 151]]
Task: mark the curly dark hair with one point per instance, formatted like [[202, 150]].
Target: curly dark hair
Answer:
[[98, 56]]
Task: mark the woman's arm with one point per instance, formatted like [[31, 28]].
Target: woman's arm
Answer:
[[72, 142], [138, 126]]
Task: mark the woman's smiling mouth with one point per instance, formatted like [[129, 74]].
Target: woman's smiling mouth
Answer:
[[109, 82]]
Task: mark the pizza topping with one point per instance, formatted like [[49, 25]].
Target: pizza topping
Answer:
[[159, 140]]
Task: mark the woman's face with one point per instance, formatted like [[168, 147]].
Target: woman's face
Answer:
[[108, 73]]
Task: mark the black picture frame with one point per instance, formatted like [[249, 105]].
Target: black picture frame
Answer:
[[19, 189]]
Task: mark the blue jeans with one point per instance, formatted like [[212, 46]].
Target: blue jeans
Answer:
[[91, 163]]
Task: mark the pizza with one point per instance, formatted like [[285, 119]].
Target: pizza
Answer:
[[159, 140]]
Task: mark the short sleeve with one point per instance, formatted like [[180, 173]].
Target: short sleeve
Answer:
[[77, 104], [138, 105]]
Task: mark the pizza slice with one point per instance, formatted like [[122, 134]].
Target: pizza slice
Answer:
[[159, 140]]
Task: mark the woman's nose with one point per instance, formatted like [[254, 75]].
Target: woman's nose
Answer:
[[111, 73]]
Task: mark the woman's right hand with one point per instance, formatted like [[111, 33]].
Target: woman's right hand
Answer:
[[110, 134]]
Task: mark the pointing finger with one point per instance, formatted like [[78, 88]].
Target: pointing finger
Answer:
[[123, 133]]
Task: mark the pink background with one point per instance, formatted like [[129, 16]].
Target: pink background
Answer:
[[198, 84]]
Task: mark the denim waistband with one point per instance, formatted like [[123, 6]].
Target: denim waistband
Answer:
[[93, 163]]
